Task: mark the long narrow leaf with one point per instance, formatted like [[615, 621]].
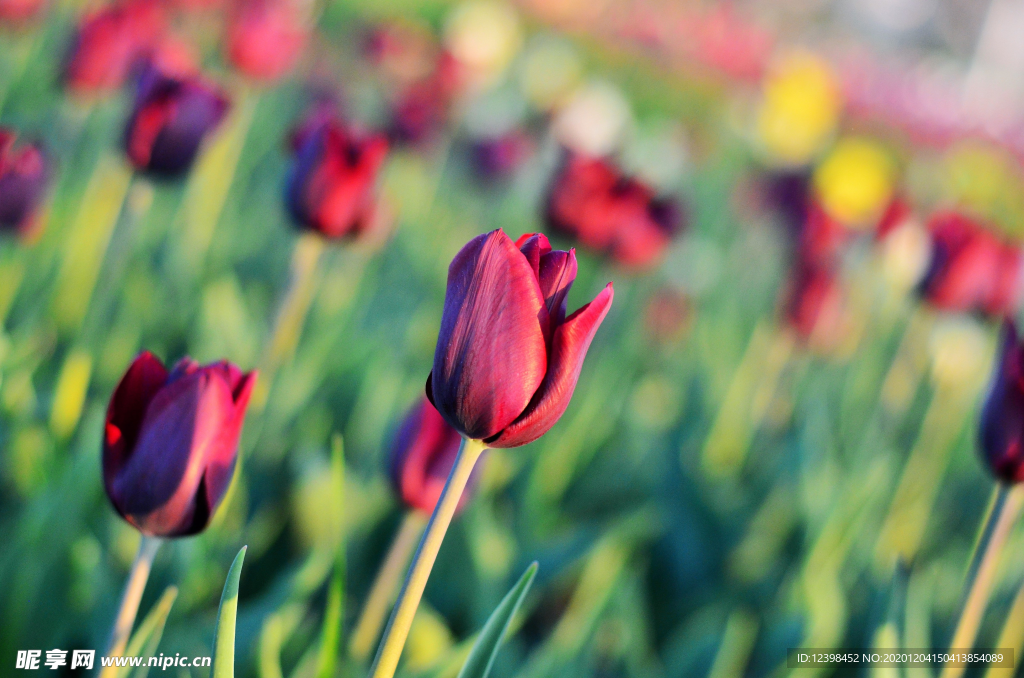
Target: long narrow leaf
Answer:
[[147, 637], [485, 649], [224, 636]]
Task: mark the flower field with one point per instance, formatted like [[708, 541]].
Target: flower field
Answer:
[[269, 279]]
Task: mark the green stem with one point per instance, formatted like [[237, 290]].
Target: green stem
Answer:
[[291, 313], [397, 631], [130, 600], [981, 574], [385, 586]]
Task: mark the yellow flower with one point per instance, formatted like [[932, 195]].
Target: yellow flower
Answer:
[[855, 182], [799, 109]]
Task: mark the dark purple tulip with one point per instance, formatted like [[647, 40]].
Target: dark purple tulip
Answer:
[[171, 117], [332, 188], [507, 358], [23, 178], [1002, 418], [497, 158], [422, 456], [171, 442]]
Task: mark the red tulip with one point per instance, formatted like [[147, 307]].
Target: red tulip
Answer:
[[265, 38], [1001, 429], [507, 358], [814, 304], [608, 212], [18, 11], [23, 178], [332, 185], [822, 238], [971, 268], [173, 113], [895, 215], [110, 42], [171, 442], [422, 456]]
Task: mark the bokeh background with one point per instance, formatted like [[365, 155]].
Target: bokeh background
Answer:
[[752, 461]]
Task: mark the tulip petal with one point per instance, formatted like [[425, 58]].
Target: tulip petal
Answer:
[[1001, 426], [533, 246], [422, 457], [568, 349], [491, 354], [557, 274], [185, 431], [127, 408]]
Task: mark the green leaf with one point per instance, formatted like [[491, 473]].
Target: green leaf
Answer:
[[224, 636], [330, 636], [485, 649], [146, 638]]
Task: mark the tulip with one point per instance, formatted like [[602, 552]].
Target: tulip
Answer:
[[265, 38], [169, 451], [971, 269], [1001, 431], [610, 213], [23, 177], [822, 237], [110, 42], [173, 114], [171, 441], [332, 185], [506, 364], [422, 457], [1001, 438], [814, 306], [507, 357], [788, 193]]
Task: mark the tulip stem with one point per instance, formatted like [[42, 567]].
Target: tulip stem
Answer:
[[130, 600], [999, 521], [385, 586], [291, 313], [397, 631]]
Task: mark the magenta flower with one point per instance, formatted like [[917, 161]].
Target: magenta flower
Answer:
[[422, 456], [507, 357], [172, 116], [171, 442], [24, 174], [1001, 430]]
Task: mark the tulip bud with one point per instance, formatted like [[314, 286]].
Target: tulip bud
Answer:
[[814, 306], [593, 202], [23, 178], [822, 237], [171, 442], [422, 456], [265, 38], [507, 357], [1001, 430], [172, 115], [332, 185], [110, 42], [971, 269]]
